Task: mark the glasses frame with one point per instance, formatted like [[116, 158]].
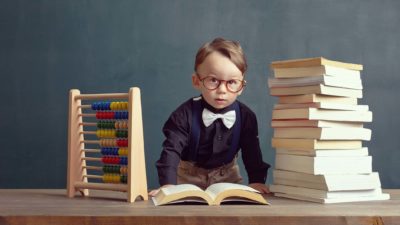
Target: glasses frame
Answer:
[[243, 82]]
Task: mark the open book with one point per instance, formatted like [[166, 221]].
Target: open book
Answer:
[[214, 195]]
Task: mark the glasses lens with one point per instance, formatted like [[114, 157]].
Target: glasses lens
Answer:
[[211, 83], [234, 85]]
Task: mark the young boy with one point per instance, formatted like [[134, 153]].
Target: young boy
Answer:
[[204, 134]]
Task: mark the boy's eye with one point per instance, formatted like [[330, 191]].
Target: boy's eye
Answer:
[[214, 80], [233, 82]]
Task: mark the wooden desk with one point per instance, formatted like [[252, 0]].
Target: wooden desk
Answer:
[[53, 207]]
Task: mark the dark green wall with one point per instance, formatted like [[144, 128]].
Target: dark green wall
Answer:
[[49, 47]]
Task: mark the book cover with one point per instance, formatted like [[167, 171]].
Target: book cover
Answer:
[[323, 105], [322, 114], [315, 193], [324, 152], [323, 70], [311, 62], [328, 182], [323, 133], [382, 196], [309, 98], [307, 81], [306, 144], [314, 123], [324, 165], [316, 89]]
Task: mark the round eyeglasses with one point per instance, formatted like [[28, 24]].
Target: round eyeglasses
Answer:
[[212, 83]]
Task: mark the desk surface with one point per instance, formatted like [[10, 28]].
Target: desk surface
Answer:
[[41, 206]]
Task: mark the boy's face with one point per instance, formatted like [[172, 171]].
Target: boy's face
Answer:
[[219, 67]]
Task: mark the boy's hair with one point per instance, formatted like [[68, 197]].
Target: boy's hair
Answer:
[[230, 49]]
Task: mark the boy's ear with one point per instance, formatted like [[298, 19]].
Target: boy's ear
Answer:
[[195, 81], [240, 92], [244, 87]]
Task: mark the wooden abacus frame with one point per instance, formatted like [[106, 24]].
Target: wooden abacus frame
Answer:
[[77, 170]]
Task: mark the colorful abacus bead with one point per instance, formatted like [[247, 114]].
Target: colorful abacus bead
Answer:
[[101, 106], [104, 124], [121, 115], [122, 142], [121, 124], [105, 115], [124, 179], [123, 151], [111, 169], [108, 142], [119, 105], [121, 133], [123, 170], [106, 133]]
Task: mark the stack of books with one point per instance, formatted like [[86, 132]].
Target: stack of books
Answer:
[[318, 133]]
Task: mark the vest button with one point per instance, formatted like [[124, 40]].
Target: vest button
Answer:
[[219, 137]]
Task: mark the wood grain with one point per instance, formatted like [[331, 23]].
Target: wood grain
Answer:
[[27, 206]]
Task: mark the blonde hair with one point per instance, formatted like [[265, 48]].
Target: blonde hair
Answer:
[[230, 49]]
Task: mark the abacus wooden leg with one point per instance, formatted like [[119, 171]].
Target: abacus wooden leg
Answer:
[[136, 167], [76, 170]]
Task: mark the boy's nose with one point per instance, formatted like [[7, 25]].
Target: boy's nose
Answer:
[[222, 87]]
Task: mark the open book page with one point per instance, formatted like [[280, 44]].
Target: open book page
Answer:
[[181, 193], [233, 192], [216, 189], [180, 188]]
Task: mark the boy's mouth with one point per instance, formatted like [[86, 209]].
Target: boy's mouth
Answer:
[[220, 100]]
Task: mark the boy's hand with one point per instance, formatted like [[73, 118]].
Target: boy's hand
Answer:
[[260, 187], [153, 193]]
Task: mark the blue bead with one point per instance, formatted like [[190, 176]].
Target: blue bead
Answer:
[[107, 105]]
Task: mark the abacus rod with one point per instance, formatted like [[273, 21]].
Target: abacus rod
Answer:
[[93, 167], [87, 114], [93, 176], [91, 150], [88, 132], [102, 96], [85, 106], [88, 124], [91, 159], [90, 142], [101, 186]]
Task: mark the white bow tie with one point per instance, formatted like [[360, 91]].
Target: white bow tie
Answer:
[[228, 118]]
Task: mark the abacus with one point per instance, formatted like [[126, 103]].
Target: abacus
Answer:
[[113, 131]]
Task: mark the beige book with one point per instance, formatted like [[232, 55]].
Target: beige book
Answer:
[[344, 82], [214, 195], [316, 89], [379, 197], [307, 144], [309, 98], [324, 152], [322, 114], [324, 165], [317, 61], [323, 133], [314, 123], [324, 70], [330, 182], [315, 193], [323, 105]]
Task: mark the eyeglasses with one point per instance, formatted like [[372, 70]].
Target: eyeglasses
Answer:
[[212, 83]]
